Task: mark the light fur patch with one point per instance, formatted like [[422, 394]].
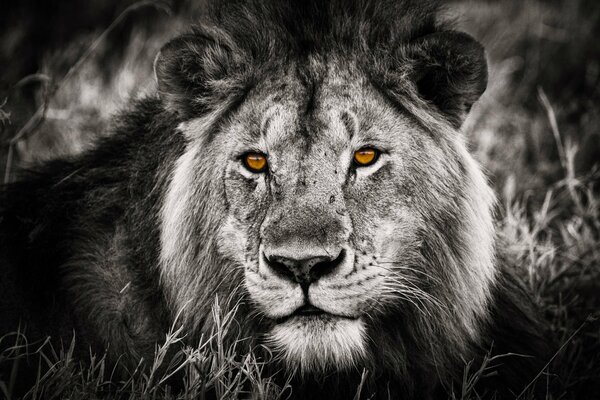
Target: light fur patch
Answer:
[[181, 271], [175, 229], [312, 344], [479, 271]]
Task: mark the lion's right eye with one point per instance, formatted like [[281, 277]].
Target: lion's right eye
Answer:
[[255, 162]]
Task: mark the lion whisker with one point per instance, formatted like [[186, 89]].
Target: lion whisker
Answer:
[[418, 293], [416, 302], [404, 267]]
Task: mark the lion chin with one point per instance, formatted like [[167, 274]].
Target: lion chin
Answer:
[[319, 342]]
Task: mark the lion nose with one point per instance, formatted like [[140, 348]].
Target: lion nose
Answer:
[[306, 270]]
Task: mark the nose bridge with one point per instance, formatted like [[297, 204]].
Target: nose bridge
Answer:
[[311, 173], [306, 229], [305, 218]]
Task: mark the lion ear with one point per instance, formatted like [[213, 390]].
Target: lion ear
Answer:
[[194, 73], [449, 70]]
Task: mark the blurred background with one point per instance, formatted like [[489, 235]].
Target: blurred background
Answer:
[[67, 66]]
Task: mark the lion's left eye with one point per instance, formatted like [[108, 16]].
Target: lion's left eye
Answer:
[[365, 156], [255, 162]]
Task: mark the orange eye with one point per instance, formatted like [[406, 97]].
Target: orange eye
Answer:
[[365, 156], [255, 162]]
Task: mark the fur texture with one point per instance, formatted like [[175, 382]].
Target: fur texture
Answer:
[[163, 217]]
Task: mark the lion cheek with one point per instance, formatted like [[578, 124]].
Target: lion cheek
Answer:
[[233, 242]]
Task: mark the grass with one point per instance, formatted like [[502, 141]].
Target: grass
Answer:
[[207, 369], [535, 131]]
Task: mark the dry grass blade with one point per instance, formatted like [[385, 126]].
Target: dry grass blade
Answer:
[[554, 125], [562, 347]]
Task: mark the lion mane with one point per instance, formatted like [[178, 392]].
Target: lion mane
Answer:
[[113, 244]]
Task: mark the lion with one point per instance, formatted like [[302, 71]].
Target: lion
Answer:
[[304, 160]]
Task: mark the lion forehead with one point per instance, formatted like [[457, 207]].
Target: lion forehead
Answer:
[[337, 105]]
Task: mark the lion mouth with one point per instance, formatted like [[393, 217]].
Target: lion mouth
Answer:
[[308, 311]]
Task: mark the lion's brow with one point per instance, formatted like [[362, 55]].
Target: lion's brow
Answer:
[[349, 122], [264, 126]]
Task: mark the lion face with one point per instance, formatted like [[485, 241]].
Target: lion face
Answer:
[[329, 192], [306, 230], [326, 244]]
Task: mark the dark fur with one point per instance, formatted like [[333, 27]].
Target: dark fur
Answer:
[[60, 211], [103, 207]]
